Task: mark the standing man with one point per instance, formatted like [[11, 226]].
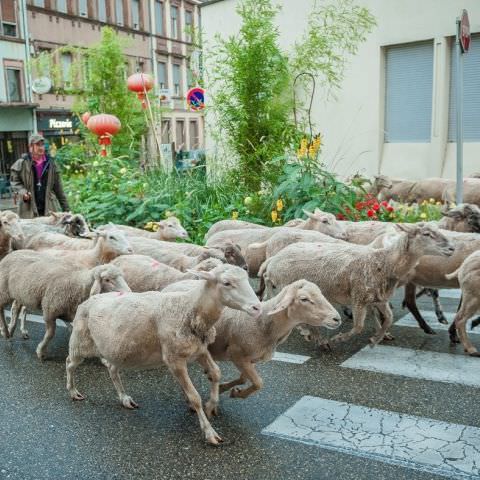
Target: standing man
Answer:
[[36, 181]]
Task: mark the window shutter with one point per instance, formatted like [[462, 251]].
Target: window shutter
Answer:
[[471, 93], [8, 11], [408, 102]]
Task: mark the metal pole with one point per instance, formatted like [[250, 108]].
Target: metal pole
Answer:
[[459, 102]]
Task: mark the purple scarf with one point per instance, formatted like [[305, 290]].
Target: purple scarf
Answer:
[[39, 166]]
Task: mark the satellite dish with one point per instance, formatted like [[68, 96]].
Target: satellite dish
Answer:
[[41, 85]]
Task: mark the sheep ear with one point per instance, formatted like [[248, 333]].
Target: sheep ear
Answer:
[[97, 285], [401, 227], [308, 214], [160, 225], [202, 274], [285, 301]]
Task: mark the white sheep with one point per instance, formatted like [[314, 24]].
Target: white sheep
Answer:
[[356, 275], [10, 232], [39, 282], [147, 329], [222, 225], [168, 230]]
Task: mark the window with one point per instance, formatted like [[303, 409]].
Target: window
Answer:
[[177, 81], [471, 93], [408, 101], [39, 3], [14, 86], [174, 21], [180, 135], [83, 8], [62, 6], [188, 25], [159, 18], [102, 10], [194, 140], [66, 60], [9, 29], [166, 137], [8, 25], [136, 14], [119, 10], [162, 74]]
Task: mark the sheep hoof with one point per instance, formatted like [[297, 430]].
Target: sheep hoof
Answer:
[[25, 335], [41, 355], [76, 395], [211, 409], [443, 320], [324, 345], [428, 330], [454, 339], [213, 438], [388, 337], [5, 334], [474, 354], [236, 392], [128, 402]]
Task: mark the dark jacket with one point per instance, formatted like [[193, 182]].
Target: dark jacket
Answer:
[[22, 179]]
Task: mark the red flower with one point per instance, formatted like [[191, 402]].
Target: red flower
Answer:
[[384, 204], [376, 207], [340, 216], [359, 205], [390, 208], [370, 213]]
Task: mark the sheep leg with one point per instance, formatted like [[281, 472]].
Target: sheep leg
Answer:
[[50, 327], [386, 312], [213, 373], [72, 363], [466, 311], [13, 318], [379, 320], [125, 400], [359, 314], [438, 307], [227, 386], [23, 318], [3, 323], [411, 304], [180, 372], [248, 370]]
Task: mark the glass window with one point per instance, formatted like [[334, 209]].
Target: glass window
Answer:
[[408, 90], [102, 10], [136, 14], [62, 6], [9, 29], [174, 21], [119, 10], [159, 18], [162, 74], [188, 25], [66, 65], [471, 93], [83, 8], [13, 85], [177, 81], [39, 3]]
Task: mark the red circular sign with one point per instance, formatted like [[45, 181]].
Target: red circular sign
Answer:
[[464, 32]]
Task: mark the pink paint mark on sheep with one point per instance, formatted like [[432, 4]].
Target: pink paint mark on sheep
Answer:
[[119, 294], [155, 264]]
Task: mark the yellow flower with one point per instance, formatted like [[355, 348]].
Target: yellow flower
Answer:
[[423, 215], [303, 144], [234, 215], [123, 170], [432, 200], [168, 213], [279, 205], [438, 203], [424, 202], [274, 216]]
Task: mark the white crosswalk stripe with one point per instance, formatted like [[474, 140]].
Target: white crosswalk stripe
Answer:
[[450, 293], [290, 358], [415, 442], [430, 317]]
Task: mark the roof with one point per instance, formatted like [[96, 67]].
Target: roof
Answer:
[[210, 2]]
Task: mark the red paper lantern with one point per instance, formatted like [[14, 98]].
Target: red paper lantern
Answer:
[[140, 83], [85, 117], [105, 126]]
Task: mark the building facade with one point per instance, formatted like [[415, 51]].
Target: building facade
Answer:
[[395, 113], [159, 43], [16, 105]]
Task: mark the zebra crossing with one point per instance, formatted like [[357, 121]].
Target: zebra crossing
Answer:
[[419, 443]]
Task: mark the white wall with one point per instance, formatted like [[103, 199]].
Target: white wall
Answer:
[[353, 124]]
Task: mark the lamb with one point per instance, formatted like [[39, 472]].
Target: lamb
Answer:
[[148, 329], [468, 276], [72, 225], [357, 275], [471, 191], [57, 289], [245, 341], [222, 225], [168, 230], [10, 232], [319, 221], [144, 274]]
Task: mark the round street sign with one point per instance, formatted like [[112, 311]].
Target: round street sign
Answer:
[[196, 98], [464, 32], [41, 85]]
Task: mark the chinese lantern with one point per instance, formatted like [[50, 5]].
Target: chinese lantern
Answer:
[[140, 83], [85, 117], [105, 126]]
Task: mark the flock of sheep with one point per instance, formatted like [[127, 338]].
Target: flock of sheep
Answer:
[[138, 299]]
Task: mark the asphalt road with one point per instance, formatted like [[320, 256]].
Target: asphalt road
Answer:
[[44, 435]]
